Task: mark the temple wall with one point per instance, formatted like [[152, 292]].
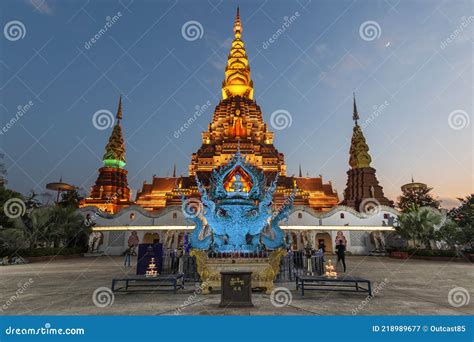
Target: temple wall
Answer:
[[304, 224]]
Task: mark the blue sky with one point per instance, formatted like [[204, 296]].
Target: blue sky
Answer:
[[310, 70]]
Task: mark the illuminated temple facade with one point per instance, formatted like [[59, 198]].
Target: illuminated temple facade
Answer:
[[237, 124], [237, 121]]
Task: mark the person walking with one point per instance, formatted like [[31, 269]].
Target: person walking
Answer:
[[341, 243], [128, 256]]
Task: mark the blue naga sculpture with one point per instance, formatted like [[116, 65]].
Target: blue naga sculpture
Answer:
[[236, 213]]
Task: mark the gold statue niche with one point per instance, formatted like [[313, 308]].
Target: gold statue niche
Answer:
[[238, 181], [237, 129]]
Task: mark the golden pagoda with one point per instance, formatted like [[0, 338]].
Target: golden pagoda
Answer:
[[237, 124], [362, 183], [110, 193]]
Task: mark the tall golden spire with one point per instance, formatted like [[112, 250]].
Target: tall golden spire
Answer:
[[359, 151], [237, 80], [114, 155], [355, 114], [119, 109]]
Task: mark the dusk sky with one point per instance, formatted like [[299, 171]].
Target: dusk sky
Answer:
[[409, 63]]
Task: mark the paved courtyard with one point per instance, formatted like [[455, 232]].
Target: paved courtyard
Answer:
[[65, 287]]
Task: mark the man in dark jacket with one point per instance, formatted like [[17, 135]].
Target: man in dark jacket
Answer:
[[341, 254]]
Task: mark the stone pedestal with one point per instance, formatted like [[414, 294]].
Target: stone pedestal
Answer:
[[236, 290], [264, 270]]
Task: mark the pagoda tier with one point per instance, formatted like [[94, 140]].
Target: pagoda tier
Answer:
[[362, 183], [164, 192], [237, 121], [110, 193]]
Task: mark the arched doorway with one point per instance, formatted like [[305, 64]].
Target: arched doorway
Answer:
[[324, 238], [151, 238]]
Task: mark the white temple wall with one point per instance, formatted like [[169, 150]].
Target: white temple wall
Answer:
[[305, 223]]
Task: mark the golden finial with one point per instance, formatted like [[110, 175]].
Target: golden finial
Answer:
[[237, 80], [355, 114], [237, 23]]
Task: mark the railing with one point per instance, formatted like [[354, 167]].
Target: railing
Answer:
[[295, 263]]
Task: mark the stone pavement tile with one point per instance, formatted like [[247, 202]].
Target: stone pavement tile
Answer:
[[65, 287]]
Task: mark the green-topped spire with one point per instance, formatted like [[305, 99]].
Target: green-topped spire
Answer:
[[114, 155]]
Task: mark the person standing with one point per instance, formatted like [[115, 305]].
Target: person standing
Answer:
[[128, 256], [341, 251]]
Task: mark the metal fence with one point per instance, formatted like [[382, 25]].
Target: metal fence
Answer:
[[291, 265], [296, 263]]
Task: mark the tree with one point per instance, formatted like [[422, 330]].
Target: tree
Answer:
[[3, 172], [463, 216], [69, 227], [449, 233], [5, 195], [70, 198], [419, 226], [415, 198]]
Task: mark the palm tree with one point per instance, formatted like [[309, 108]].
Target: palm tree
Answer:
[[419, 225]]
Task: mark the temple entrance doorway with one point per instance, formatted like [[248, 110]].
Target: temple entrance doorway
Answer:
[[324, 239], [151, 238]]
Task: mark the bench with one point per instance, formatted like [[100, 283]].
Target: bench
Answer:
[[176, 281], [340, 283]]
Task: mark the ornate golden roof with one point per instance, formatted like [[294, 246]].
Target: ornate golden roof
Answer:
[[114, 155], [359, 151], [237, 73]]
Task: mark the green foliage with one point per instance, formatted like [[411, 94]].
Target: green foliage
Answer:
[[414, 199], [70, 199], [419, 225], [5, 195], [463, 216], [49, 226]]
